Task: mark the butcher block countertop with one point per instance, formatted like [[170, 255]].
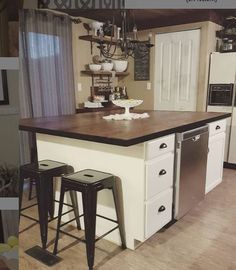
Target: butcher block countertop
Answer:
[[92, 127]]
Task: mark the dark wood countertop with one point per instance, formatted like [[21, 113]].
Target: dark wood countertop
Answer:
[[91, 126]]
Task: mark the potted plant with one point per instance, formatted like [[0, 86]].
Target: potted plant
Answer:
[[8, 181]]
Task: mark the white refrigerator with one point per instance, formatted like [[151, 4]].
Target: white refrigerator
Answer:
[[223, 72]]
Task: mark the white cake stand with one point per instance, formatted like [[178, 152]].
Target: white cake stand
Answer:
[[127, 104]]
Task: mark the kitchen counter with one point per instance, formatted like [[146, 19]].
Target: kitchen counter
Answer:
[[137, 152], [92, 127]]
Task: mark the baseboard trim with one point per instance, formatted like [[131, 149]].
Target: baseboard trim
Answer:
[[229, 165]]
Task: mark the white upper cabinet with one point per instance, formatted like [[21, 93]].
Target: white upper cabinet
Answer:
[[223, 68], [176, 70]]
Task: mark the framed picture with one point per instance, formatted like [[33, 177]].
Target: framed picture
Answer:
[[4, 98]]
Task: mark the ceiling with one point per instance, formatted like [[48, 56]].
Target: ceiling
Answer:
[[151, 18]]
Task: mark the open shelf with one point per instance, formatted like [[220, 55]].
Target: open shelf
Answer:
[[222, 34], [104, 73]]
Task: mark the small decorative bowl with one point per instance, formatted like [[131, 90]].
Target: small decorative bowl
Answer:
[[107, 66], [120, 65], [95, 67]]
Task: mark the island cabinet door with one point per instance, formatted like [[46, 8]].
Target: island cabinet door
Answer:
[[159, 168], [158, 212], [215, 161]]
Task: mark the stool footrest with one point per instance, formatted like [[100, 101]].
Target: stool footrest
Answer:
[[34, 219], [29, 217], [100, 237], [82, 240], [73, 219], [67, 212], [27, 207], [112, 220], [73, 236], [70, 205]]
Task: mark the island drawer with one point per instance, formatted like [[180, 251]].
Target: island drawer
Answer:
[[158, 212], [160, 146], [217, 127], [159, 174]]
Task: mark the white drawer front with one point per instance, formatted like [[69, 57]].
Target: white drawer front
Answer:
[[159, 174], [158, 212], [160, 146], [217, 127]]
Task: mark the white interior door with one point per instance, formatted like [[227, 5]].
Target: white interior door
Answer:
[[176, 70]]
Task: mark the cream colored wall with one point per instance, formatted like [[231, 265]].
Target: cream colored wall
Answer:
[[81, 57], [138, 89]]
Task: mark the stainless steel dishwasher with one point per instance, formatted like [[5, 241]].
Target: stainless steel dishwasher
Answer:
[[190, 169]]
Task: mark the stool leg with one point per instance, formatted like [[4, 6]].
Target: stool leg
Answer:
[[51, 194], [41, 186], [62, 194], [121, 228], [21, 186], [90, 210], [30, 189], [74, 201]]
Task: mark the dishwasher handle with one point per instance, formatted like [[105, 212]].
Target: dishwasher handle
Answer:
[[194, 133], [196, 138]]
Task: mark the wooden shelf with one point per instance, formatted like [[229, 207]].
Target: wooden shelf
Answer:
[[91, 38], [103, 73], [221, 34]]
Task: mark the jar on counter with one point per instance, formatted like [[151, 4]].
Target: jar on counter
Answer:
[[230, 45], [225, 45]]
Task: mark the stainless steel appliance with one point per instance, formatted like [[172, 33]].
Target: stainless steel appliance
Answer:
[[222, 78], [190, 177], [220, 94]]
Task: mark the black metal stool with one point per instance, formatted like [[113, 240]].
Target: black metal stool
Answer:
[[42, 173], [89, 183]]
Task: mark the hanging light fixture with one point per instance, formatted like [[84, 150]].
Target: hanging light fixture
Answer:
[[122, 43]]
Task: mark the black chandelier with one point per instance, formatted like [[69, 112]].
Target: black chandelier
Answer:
[[124, 43]]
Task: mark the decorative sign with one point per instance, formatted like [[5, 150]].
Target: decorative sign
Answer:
[[141, 66], [81, 4], [4, 99]]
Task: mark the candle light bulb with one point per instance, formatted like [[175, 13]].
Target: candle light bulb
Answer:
[[150, 36]]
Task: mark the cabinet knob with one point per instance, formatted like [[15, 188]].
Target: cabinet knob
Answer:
[[163, 146], [217, 127], [162, 172], [162, 209]]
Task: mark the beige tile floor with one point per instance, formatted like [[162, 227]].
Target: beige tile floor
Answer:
[[205, 239]]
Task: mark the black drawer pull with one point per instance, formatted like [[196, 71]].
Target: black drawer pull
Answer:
[[163, 146], [217, 127], [162, 172], [162, 209]]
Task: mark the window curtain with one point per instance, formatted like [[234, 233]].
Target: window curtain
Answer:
[[46, 68]]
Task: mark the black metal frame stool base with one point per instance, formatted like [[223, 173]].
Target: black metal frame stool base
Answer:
[[89, 183], [43, 173], [43, 256]]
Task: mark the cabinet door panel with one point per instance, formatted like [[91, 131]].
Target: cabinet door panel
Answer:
[[159, 175], [215, 161], [158, 212]]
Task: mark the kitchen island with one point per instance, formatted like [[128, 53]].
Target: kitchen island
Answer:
[[139, 152]]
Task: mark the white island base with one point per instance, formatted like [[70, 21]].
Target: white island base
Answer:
[[143, 191]]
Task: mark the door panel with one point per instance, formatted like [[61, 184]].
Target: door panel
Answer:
[[176, 70]]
